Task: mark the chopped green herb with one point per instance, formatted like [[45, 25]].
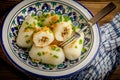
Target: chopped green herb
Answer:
[[39, 54], [55, 56], [58, 49], [50, 53], [50, 31], [74, 29], [35, 18], [38, 19], [83, 49], [40, 61], [43, 53], [27, 41], [60, 18], [29, 27], [33, 15], [43, 20], [34, 23], [26, 23], [44, 15], [80, 41], [53, 48], [18, 27], [29, 48], [35, 31], [26, 36], [76, 47], [52, 14], [39, 24], [51, 66], [66, 18], [57, 21]]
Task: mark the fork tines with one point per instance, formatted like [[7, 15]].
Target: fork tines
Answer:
[[72, 38], [69, 40]]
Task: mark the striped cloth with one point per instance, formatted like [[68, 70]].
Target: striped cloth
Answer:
[[108, 57]]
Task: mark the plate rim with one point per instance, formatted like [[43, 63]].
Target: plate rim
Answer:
[[35, 74]]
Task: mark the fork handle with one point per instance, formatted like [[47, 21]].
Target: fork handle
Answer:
[[106, 10]]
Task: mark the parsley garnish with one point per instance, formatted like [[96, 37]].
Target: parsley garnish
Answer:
[[66, 18], [29, 27], [60, 18], [39, 54], [26, 36], [35, 31], [33, 15], [55, 56], [43, 20], [52, 14], [76, 47], [74, 29], [39, 24], [43, 53], [44, 15], [38, 19], [50, 31], [80, 41], [27, 41], [34, 23], [26, 23], [55, 48], [83, 49], [58, 49]]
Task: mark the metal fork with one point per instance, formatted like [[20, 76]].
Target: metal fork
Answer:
[[107, 9]]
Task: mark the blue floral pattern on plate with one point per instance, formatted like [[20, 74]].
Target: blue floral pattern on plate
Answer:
[[38, 8]]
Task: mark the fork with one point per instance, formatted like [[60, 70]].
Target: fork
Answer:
[[106, 10]]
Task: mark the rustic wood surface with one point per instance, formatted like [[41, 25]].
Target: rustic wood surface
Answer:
[[7, 71]]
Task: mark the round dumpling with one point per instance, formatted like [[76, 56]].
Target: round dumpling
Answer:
[[62, 30], [73, 50], [24, 38], [49, 54], [49, 19], [43, 38]]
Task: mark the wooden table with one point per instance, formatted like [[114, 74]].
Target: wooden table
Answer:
[[93, 5]]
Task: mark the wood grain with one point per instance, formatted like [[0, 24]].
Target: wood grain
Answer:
[[96, 6], [93, 5]]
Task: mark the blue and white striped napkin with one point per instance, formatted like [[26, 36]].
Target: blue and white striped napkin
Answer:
[[108, 57]]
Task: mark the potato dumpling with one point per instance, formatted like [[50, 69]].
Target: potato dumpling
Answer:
[[44, 37], [51, 54], [73, 50], [24, 38], [49, 19], [44, 33], [62, 30]]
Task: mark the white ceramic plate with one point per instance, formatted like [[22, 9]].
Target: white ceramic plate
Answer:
[[19, 57]]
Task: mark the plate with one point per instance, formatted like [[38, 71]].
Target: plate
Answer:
[[19, 56]]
